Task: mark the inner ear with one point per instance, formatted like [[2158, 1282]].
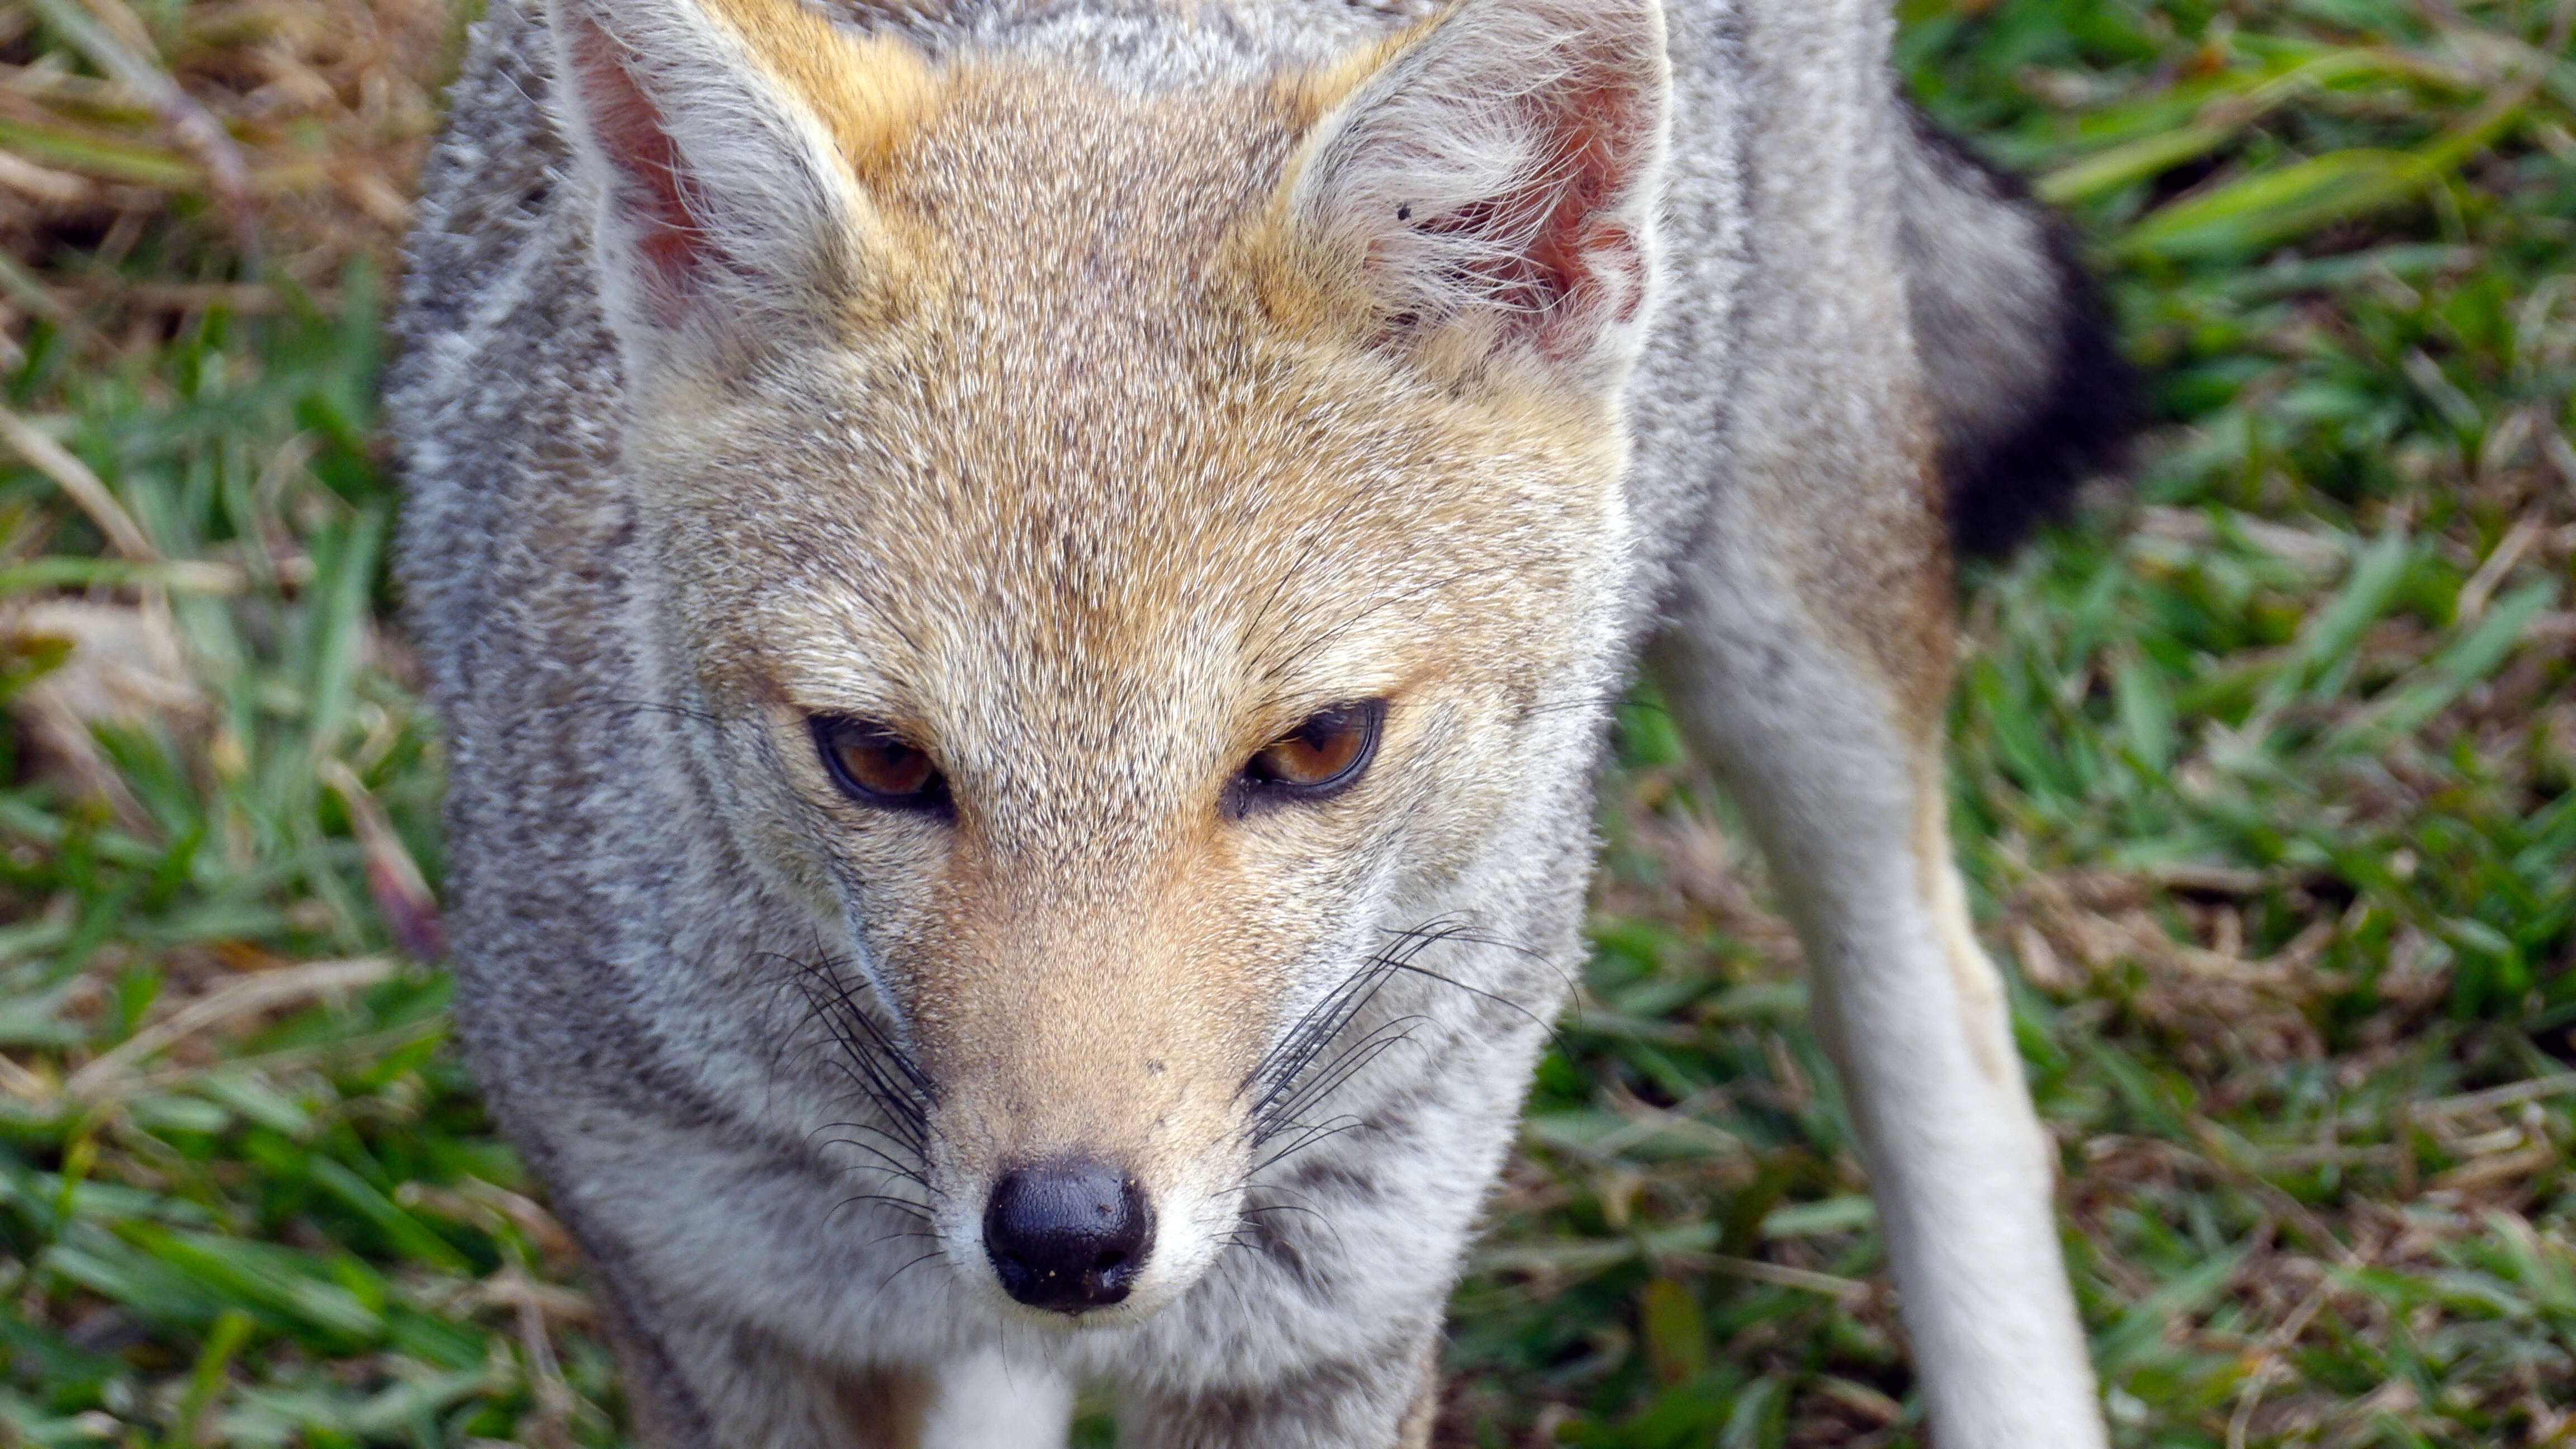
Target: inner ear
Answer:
[[1553, 244], [644, 163], [734, 146], [1501, 169]]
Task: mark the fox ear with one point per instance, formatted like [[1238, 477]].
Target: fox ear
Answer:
[[719, 137], [1501, 173]]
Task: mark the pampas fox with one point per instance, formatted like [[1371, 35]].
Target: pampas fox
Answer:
[[1026, 594]]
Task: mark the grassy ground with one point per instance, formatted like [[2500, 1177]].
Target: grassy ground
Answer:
[[2263, 776]]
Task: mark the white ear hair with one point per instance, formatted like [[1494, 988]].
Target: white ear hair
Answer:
[[1504, 171], [725, 216]]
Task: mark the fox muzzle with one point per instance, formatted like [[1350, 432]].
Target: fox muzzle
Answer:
[[1067, 1236]]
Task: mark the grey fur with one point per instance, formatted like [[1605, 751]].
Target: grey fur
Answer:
[[629, 973]]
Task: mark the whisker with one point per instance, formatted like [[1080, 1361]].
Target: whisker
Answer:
[[877, 1069], [871, 1049], [888, 1281], [1353, 1060], [903, 1205], [1283, 1207], [1308, 1139], [1247, 1219], [889, 1164], [890, 1237], [1299, 1048], [1555, 1037], [1306, 1068]]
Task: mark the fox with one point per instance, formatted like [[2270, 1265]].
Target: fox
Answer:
[[1027, 597]]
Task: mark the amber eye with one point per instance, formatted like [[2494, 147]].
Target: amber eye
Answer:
[[875, 766], [1324, 756]]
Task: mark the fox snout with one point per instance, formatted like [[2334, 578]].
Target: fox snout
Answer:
[[1083, 1128], [1074, 1176], [1068, 1236]]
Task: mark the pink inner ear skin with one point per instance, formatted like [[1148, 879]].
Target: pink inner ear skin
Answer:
[[1597, 134], [1572, 255], [630, 133]]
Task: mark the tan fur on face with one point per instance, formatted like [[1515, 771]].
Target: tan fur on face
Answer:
[[871, 94], [1142, 528]]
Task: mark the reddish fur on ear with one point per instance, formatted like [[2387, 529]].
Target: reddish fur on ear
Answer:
[[731, 143], [1499, 169], [632, 137], [1571, 249]]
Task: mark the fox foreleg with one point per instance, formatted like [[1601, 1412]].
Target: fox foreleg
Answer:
[[1847, 801]]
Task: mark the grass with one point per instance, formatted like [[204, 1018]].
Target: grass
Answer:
[[2263, 777]]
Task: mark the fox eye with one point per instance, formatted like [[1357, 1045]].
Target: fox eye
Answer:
[[1322, 757], [875, 766]]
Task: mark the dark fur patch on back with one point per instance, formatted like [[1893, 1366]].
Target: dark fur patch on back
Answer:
[[2003, 489], [2004, 486]]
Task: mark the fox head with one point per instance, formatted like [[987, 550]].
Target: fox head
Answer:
[[1124, 529]]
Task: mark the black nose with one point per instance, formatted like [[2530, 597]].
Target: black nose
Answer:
[[1067, 1236]]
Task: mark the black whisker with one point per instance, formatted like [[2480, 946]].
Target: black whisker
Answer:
[[1297, 1050], [890, 1237], [902, 1139], [1304, 1068], [1306, 1139], [1282, 1207], [888, 1164], [888, 1281], [1555, 1037], [881, 1073], [1311, 1061], [1248, 1218], [903, 1205], [1352, 1060], [893, 1078]]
